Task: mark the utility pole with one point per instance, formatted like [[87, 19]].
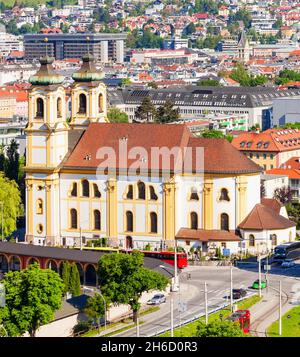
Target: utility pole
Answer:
[[172, 315], [259, 275], [206, 304], [231, 288], [137, 327], [280, 312]]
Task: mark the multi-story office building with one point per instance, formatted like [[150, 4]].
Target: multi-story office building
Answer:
[[104, 47], [254, 104]]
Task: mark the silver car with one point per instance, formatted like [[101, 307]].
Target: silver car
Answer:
[[157, 299], [288, 263]]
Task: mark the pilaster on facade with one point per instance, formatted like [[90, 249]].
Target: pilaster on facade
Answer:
[[242, 185], [208, 203], [112, 208], [169, 210]]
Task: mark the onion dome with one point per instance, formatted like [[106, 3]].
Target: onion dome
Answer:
[[88, 71], [45, 75]]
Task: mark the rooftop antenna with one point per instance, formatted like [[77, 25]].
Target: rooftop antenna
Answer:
[[46, 42]]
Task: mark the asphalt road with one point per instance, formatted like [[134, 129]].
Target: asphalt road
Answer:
[[191, 295]]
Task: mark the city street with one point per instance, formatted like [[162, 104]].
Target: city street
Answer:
[[191, 295]]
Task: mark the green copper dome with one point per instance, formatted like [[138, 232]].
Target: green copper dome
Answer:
[[46, 75], [88, 71]]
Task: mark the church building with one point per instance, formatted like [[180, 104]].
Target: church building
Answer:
[[87, 178]]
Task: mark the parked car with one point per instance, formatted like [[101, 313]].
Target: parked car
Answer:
[[157, 299], [288, 263], [238, 293], [255, 284]]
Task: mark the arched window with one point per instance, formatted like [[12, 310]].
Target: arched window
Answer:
[[73, 218], [224, 222], [153, 195], [129, 194], [100, 103], [97, 220], [274, 239], [39, 108], [129, 221], [251, 240], [85, 188], [39, 206], [74, 190], [59, 107], [153, 222], [39, 228], [82, 104], [141, 190], [32, 261], [194, 194], [96, 191], [224, 195], [194, 220]]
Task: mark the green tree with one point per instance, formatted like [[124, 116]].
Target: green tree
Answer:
[[209, 6], [189, 29], [11, 27], [32, 297], [2, 158], [11, 165], [74, 282], [10, 196], [213, 134], [126, 82], [241, 15], [166, 113], [95, 308], [146, 111], [123, 279], [65, 275], [208, 82], [219, 329], [115, 115]]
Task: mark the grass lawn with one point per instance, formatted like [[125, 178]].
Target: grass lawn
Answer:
[[189, 330], [290, 326]]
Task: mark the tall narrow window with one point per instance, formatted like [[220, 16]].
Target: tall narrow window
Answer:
[[129, 194], [73, 218], [96, 190], [59, 107], [274, 239], [82, 104], [251, 240], [153, 222], [194, 220], [74, 190], [39, 206], [141, 190], [85, 188], [97, 220], [224, 222], [39, 108], [153, 195], [129, 221], [100, 103], [224, 195]]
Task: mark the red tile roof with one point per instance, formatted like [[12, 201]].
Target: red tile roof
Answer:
[[292, 163], [291, 173], [271, 140], [219, 155], [272, 203], [263, 217], [207, 235]]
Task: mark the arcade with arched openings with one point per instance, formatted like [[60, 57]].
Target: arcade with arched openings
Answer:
[[52, 264], [90, 275]]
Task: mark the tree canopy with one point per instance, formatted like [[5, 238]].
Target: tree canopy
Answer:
[[219, 329], [123, 279], [115, 115], [32, 297], [166, 113], [10, 196], [146, 112], [240, 75]]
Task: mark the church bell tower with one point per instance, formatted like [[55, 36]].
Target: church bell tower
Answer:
[[46, 147]]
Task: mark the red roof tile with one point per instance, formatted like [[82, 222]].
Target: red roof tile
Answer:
[[262, 217], [207, 235]]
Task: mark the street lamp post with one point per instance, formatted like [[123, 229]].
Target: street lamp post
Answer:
[[206, 303], [259, 274], [172, 316], [231, 288], [99, 292], [280, 312]]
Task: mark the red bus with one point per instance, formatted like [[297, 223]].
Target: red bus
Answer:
[[243, 318], [169, 257]]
